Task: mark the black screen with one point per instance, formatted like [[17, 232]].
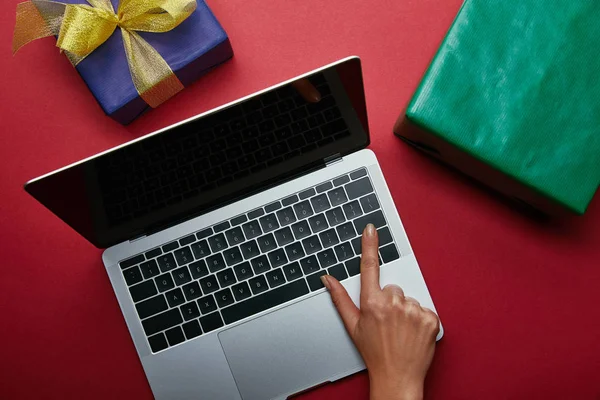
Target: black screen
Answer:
[[189, 169]]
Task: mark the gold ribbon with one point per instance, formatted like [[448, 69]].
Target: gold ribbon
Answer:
[[81, 28]]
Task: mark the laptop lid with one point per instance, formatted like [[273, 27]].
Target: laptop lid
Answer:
[[210, 160]]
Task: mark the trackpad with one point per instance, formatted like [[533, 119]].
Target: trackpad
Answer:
[[289, 350]]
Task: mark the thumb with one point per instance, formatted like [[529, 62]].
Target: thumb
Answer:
[[342, 302]]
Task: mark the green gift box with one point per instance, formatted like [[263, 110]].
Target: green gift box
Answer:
[[512, 98]]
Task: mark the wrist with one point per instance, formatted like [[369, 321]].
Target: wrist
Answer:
[[395, 388]]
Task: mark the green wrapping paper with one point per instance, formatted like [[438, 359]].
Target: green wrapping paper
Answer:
[[513, 95]]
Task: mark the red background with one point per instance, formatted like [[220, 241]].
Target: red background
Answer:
[[519, 296]]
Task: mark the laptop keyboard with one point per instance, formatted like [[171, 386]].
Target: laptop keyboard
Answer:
[[255, 261]]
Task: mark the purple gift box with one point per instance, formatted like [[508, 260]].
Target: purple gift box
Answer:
[[194, 47]]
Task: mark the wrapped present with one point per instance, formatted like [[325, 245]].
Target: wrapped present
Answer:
[[512, 98], [135, 57]]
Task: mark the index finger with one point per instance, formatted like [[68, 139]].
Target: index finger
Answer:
[[369, 263]]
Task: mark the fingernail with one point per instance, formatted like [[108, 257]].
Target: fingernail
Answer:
[[316, 97], [325, 281], [370, 230]]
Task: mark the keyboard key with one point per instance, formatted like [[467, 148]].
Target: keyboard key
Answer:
[[170, 246], [226, 277], [215, 263], [369, 203], [222, 226], [256, 213], [303, 209], [376, 218], [359, 188], [301, 230], [243, 271], [252, 229], [224, 298], [346, 231], [143, 290], [183, 256], [272, 207], [284, 236], [130, 262], [344, 251], [166, 262], [258, 284], [211, 322], [238, 220], [307, 193], [181, 276], [265, 301], [158, 342], [311, 245], [207, 304], [151, 306], [318, 223], [292, 271], [329, 238], [199, 269], [337, 196], [277, 258], [233, 256], [200, 249], [149, 269], [320, 203], [269, 223], [310, 265], [153, 253], [132, 275], [294, 251], [190, 310], [357, 245], [217, 242], [235, 236], [192, 329], [338, 272], [389, 253], [341, 180], [209, 284], [275, 277], [385, 236], [241, 291], [164, 282], [175, 297], [260, 265], [204, 233], [192, 291], [162, 321], [267, 243], [289, 200], [335, 216], [353, 266], [314, 280], [187, 240], [326, 258], [358, 174], [286, 216], [352, 210], [250, 249], [324, 187]]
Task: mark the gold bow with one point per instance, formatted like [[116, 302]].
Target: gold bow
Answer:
[[82, 28]]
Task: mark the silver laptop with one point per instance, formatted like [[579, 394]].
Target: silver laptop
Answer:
[[218, 228]]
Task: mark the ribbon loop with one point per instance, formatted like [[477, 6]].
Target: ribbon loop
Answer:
[[82, 28]]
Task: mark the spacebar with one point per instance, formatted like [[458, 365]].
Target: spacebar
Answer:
[[265, 301]]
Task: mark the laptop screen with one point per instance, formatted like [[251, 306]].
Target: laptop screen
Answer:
[[212, 160]]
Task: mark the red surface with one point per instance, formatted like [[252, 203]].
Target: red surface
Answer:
[[518, 297]]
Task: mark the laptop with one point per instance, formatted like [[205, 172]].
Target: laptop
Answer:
[[217, 230]]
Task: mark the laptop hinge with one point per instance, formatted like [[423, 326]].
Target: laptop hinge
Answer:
[[135, 239], [333, 159]]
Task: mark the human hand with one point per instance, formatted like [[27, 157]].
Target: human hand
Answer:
[[393, 333]]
